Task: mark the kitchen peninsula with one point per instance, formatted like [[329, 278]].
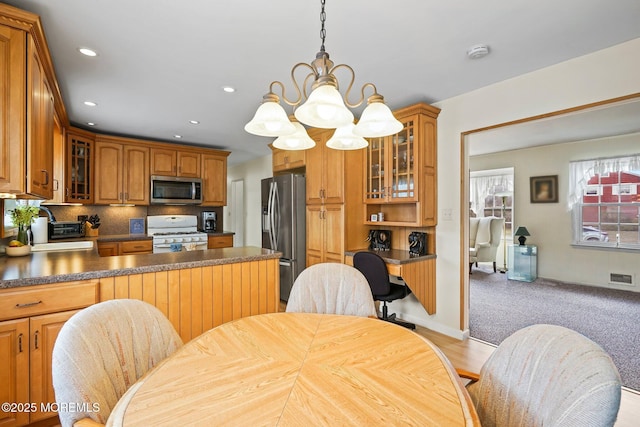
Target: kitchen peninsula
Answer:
[[197, 290]]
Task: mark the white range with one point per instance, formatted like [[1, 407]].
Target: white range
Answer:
[[175, 233]]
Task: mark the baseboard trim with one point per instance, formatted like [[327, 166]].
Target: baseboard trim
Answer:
[[434, 326]]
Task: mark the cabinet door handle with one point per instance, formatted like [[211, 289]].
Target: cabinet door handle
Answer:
[[35, 339], [20, 343], [46, 176], [28, 304]]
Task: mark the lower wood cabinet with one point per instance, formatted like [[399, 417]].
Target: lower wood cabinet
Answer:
[[325, 234], [220, 242], [30, 320], [125, 247]]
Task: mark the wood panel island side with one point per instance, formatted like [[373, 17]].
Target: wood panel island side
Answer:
[[196, 290]]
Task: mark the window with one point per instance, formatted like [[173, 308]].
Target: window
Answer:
[[491, 193], [605, 202]]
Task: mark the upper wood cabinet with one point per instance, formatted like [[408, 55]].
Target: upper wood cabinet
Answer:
[[167, 162], [121, 173], [214, 180], [286, 160], [40, 113], [78, 182], [27, 109], [324, 170], [400, 173]]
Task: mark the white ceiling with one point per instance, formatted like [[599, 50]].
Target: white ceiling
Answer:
[[162, 63]]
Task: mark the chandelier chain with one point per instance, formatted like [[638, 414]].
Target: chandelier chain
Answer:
[[323, 32]]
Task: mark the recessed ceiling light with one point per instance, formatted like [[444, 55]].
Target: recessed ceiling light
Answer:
[[194, 122], [478, 51], [177, 136], [228, 89], [87, 51], [91, 124], [90, 103]]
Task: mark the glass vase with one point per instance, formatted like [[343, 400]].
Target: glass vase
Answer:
[[22, 234]]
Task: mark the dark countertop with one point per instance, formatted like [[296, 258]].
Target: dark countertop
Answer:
[[393, 256], [127, 237], [84, 264]]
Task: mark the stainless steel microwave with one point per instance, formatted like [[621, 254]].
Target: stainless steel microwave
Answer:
[[172, 190]]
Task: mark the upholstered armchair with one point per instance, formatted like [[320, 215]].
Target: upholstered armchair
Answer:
[[546, 375], [484, 239], [331, 288], [102, 351]]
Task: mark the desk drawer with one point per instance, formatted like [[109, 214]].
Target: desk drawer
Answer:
[[15, 304]]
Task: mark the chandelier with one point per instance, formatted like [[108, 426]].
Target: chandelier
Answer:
[[324, 107]]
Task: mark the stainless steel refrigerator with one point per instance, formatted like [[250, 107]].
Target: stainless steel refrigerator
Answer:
[[284, 225]]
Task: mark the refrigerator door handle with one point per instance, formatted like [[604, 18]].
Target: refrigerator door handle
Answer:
[[270, 213], [275, 218]]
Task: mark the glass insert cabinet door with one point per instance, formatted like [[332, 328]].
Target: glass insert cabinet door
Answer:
[[78, 186], [391, 168]]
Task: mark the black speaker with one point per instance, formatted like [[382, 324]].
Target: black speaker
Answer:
[[379, 240], [417, 243]]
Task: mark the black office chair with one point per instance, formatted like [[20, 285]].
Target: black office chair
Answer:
[[372, 266]]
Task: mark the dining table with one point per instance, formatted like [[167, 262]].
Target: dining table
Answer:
[[300, 369]]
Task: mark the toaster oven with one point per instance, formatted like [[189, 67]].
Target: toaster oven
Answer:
[[65, 230]]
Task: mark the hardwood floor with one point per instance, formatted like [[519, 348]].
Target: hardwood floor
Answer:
[[471, 354]]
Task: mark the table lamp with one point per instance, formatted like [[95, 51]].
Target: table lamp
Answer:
[[522, 232]]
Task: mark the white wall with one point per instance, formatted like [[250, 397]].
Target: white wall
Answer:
[[252, 173], [550, 223], [606, 74], [602, 75]]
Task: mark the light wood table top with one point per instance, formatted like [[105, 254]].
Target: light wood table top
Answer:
[[295, 369]]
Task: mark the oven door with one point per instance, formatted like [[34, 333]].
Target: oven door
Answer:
[[178, 247]]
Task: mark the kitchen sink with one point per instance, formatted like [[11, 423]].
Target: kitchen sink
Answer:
[[62, 246]]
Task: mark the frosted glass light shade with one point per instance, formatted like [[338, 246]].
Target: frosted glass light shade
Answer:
[[324, 109], [344, 139], [270, 120], [299, 140], [377, 120]]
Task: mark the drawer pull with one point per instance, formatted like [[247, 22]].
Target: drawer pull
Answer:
[[28, 304]]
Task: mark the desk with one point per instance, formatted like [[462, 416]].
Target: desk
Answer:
[[296, 369], [418, 272]]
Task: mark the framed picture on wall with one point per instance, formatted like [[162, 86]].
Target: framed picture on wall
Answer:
[[544, 189]]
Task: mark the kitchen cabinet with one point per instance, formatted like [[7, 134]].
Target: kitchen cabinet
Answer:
[[125, 247], [325, 233], [335, 197], [30, 320], [26, 167], [225, 241], [287, 160], [40, 120], [167, 162], [324, 170], [121, 173], [214, 179], [400, 174], [74, 167]]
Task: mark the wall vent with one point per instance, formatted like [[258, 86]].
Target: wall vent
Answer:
[[621, 279]]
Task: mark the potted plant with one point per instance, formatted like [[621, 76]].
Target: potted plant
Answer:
[[23, 216]]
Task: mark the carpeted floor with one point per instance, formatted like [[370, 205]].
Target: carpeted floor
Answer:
[[609, 317]]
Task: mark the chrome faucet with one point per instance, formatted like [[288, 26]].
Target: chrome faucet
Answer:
[[52, 218]]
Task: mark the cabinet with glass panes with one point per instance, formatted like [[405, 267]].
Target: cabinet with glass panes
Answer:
[[78, 186], [400, 178]]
